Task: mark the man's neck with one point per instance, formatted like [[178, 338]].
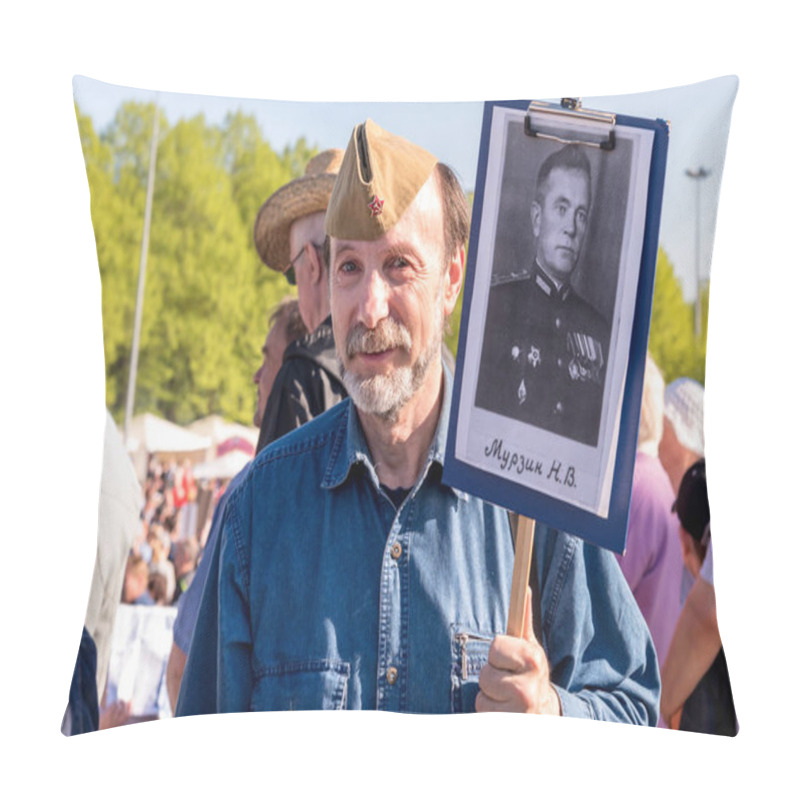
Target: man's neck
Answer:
[[556, 281], [400, 448]]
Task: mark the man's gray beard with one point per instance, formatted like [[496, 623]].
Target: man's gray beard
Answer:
[[386, 395]]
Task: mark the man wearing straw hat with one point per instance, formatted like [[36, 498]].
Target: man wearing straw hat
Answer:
[[350, 576], [289, 232]]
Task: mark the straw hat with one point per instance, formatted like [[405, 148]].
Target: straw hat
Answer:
[[298, 198]]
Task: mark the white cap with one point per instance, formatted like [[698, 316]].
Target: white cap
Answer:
[[683, 407]]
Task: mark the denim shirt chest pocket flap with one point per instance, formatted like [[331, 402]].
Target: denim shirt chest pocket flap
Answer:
[[313, 685], [469, 651]]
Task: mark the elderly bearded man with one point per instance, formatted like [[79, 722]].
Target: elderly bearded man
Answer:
[[350, 576]]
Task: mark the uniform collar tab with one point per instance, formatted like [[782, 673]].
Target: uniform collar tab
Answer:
[[548, 285]]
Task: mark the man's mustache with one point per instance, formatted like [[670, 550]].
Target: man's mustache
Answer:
[[388, 334]]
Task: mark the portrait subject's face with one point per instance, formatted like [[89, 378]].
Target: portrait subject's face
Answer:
[[559, 220], [389, 298]]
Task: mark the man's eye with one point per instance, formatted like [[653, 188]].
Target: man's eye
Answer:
[[348, 267], [398, 263], [581, 217]]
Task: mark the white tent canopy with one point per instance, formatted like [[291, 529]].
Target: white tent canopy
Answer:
[[157, 435], [223, 467], [219, 430], [151, 434]]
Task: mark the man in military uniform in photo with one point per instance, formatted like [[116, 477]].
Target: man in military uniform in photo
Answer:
[[546, 349]]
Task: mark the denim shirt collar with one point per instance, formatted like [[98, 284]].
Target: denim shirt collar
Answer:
[[350, 445]]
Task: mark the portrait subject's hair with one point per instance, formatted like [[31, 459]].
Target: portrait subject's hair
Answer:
[[571, 156]]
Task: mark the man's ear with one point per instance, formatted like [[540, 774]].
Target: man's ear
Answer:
[[453, 279], [536, 218], [315, 262]]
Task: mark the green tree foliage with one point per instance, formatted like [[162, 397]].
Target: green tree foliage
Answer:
[[207, 294], [673, 344]]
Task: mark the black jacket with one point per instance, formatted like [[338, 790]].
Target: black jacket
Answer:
[[307, 384]]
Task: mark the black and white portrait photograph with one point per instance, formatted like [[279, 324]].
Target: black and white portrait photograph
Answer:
[[551, 299], [557, 260]]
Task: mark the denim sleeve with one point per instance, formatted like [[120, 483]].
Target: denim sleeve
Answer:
[[198, 693], [234, 648], [602, 659]]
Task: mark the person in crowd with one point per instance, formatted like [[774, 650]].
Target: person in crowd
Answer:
[[185, 561], [683, 441], [184, 495], [350, 576], [160, 564], [285, 326], [158, 588], [696, 694], [652, 563], [134, 588], [288, 237]]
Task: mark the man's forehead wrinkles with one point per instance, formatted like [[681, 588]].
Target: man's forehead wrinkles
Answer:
[[385, 249]]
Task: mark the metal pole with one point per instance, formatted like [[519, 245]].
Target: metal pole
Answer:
[[137, 325], [698, 175]]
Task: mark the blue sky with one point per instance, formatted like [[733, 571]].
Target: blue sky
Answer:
[[698, 114]]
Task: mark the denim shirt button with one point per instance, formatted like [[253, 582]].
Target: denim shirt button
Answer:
[[396, 551], [391, 675]]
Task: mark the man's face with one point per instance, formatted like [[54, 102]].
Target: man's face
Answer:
[[272, 352], [303, 233], [389, 298], [559, 221]]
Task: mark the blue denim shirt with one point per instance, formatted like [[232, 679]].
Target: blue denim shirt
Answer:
[[330, 597]]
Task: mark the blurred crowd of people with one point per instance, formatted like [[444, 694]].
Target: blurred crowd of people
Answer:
[[668, 556], [174, 527]]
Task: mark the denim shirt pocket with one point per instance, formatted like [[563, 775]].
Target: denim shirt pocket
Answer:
[[315, 685], [469, 652]]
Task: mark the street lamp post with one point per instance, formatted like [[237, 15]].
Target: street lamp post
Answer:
[[698, 175]]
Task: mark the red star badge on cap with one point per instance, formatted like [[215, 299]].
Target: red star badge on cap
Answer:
[[375, 206]]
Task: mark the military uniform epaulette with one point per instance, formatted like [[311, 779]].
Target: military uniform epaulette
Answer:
[[510, 277]]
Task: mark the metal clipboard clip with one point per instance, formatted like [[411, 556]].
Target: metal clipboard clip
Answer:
[[569, 123]]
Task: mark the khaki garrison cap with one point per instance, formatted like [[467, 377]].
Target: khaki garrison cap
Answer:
[[380, 176]]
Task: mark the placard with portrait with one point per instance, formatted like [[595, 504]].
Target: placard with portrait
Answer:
[[556, 312]]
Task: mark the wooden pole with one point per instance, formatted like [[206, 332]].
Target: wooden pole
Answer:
[[523, 552]]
